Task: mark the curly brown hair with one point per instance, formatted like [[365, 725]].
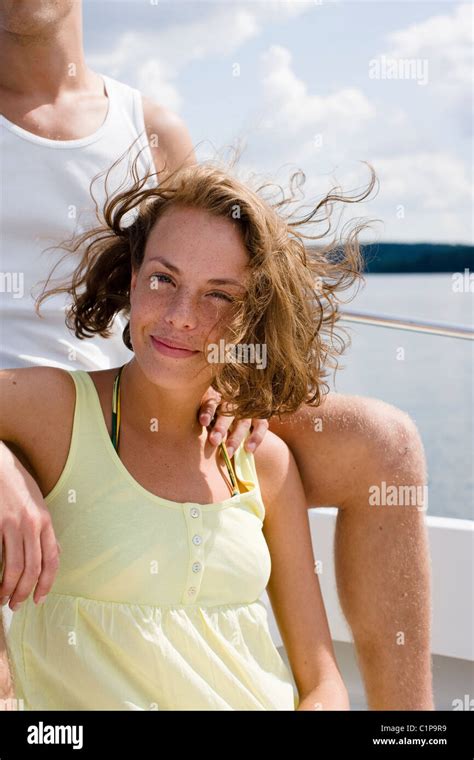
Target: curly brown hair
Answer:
[[291, 303]]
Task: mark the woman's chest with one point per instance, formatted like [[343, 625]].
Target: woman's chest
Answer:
[[179, 473], [120, 545]]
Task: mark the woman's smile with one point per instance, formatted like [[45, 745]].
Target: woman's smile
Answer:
[[169, 348]]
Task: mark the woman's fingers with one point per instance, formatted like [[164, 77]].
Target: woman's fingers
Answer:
[[26, 532], [31, 559], [14, 561], [50, 550], [31, 569]]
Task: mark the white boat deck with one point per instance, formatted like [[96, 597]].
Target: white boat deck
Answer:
[[451, 547]]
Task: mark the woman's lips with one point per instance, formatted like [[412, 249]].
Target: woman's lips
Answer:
[[167, 350]]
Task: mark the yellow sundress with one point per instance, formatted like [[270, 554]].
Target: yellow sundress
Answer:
[[156, 604]]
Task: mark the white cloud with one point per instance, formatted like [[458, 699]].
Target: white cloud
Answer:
[[153, 58], [153, 82], [433, 186], [291, 108], [433, 181], [422, 196], [445, 40]]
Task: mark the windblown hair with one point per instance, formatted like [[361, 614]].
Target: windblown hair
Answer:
[[291, 305]]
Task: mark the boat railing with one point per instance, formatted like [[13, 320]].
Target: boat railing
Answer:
[[464, 332]]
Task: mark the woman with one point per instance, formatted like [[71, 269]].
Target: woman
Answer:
[[166, 546]]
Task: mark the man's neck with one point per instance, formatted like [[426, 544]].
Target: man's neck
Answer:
[[48, 63]]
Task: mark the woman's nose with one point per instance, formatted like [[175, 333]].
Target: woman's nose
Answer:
[[182, 312]]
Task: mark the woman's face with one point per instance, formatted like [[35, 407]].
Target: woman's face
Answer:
[[181, 297]]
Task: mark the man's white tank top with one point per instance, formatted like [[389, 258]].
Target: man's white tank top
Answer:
[[45, 198]]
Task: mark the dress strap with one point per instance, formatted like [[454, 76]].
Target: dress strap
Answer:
[[115, 432]]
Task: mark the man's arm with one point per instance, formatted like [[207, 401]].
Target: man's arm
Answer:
[[169, 138]]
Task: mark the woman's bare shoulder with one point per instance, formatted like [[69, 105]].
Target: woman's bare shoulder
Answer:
[[271, 450], [32, 380], [272, 461], [33, 398]]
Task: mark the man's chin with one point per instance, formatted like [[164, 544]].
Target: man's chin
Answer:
[[32, 19]]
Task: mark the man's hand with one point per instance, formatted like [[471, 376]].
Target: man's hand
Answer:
[[209, 405], [30, 549]]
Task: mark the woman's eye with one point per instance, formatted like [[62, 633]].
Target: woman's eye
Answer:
[[222, 296], [159, 277], [155, 278]]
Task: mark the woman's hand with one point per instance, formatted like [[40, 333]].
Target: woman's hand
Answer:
[[329, 694], [7, 693], [210, 403], [31, 551]]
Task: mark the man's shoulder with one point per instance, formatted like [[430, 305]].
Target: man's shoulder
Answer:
[[168, 135]]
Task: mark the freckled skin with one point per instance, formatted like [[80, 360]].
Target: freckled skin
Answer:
[[381, 553]]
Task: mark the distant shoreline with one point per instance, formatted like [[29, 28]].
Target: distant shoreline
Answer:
[[417, 257]]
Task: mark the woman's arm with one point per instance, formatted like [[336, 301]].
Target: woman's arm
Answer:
[[28, 398], [10, 483], [29, 553], [293, 588], [6, 685]]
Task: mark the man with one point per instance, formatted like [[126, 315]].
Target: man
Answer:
[[53, 105]]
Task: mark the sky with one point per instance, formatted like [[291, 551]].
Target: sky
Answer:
[[319, 86]]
